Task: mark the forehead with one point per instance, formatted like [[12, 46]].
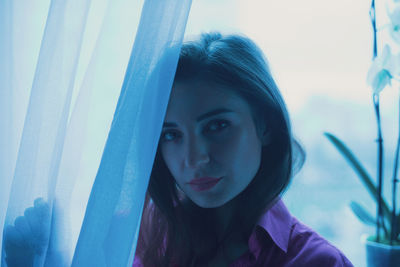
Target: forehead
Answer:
[[193, 98]]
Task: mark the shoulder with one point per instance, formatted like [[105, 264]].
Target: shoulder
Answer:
[[137, 262], [293, 243], [307, 248]]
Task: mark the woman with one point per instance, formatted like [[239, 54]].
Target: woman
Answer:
[[225, 155]]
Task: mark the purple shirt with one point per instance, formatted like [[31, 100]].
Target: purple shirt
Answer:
[[280, 240]]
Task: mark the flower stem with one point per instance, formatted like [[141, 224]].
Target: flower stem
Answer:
[[394, 233], [380, 166], [372, 15], [373, 21]]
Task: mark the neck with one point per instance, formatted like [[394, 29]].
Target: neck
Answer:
[[232, 242], [223, 216]]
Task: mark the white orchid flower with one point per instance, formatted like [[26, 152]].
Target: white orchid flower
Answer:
[[394, 27], [383, 69]]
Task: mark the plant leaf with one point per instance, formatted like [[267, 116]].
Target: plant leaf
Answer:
[[365, 217], [362, 214], [361, 172]]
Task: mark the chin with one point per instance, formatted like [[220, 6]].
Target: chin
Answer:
[[210, 204]]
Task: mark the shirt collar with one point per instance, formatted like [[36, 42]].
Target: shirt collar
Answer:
[[277, 222]]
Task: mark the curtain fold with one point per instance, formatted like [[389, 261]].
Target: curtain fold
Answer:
[[92, 114], [45, 122], [21, 23], [54, 150], [110, 227], [7, 145], [46, 118]]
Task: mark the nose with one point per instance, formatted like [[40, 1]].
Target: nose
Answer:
[[196, 153]]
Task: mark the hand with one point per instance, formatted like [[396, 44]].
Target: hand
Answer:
[[26, 242]]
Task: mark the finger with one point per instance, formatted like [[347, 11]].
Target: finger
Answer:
[[17, 252], [38, 218], [18, 260], [42, 207], [32, 219], [40, 228], [38, 201], [12, 236], [43, 211], [22, 226]]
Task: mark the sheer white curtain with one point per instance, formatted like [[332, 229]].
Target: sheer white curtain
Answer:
[[54, 150]]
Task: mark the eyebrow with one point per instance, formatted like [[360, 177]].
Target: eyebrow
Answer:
[[203, 116]]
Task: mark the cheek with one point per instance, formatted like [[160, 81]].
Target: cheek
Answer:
[[174, 161], [244, 153], [225, 148], [169, 156], [240, 149]]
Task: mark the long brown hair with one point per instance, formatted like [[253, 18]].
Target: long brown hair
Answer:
[[173, 229]]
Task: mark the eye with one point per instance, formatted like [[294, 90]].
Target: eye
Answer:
[[217, 125], [169, 135]]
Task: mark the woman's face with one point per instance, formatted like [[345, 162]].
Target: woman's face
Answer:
[[209, 142]]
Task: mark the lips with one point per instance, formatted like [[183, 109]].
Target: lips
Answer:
[[203, 183], [203, 180]]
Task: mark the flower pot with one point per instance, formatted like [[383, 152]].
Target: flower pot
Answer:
[[382, 255]]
